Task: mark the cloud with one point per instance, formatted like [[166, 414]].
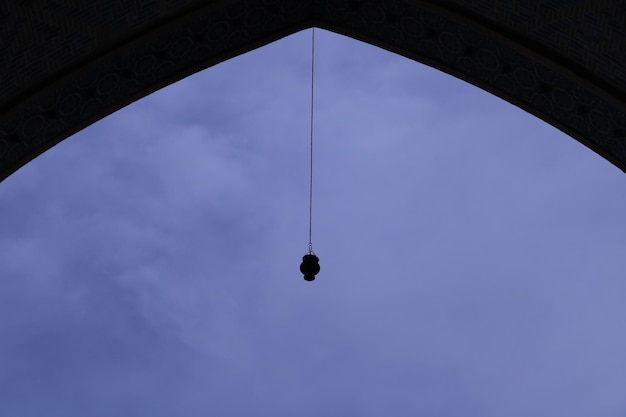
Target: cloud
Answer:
[[470, 254]]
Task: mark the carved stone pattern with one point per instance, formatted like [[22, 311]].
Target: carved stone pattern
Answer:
[[589, 34], [224, 29], [40, 38]]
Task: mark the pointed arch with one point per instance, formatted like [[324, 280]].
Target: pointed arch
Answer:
[[64, 68]]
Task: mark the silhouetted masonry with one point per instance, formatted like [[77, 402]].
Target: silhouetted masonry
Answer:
[[67, 64]]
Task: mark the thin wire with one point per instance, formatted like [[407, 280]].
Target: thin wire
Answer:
[[311, 153]]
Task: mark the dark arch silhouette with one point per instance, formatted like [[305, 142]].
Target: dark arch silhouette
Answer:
[[64, 67]]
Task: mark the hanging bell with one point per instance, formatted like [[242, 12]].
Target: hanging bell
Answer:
[[310, 266]]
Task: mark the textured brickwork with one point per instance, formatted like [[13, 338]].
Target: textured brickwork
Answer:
[[590, 35], [39, 38], [65, 65]]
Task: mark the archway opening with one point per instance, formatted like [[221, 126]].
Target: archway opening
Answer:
[[468, 264]]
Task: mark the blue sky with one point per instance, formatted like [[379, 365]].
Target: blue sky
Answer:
[[472, 255]]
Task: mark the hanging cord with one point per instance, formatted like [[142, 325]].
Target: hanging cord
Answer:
[[311, 153]]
